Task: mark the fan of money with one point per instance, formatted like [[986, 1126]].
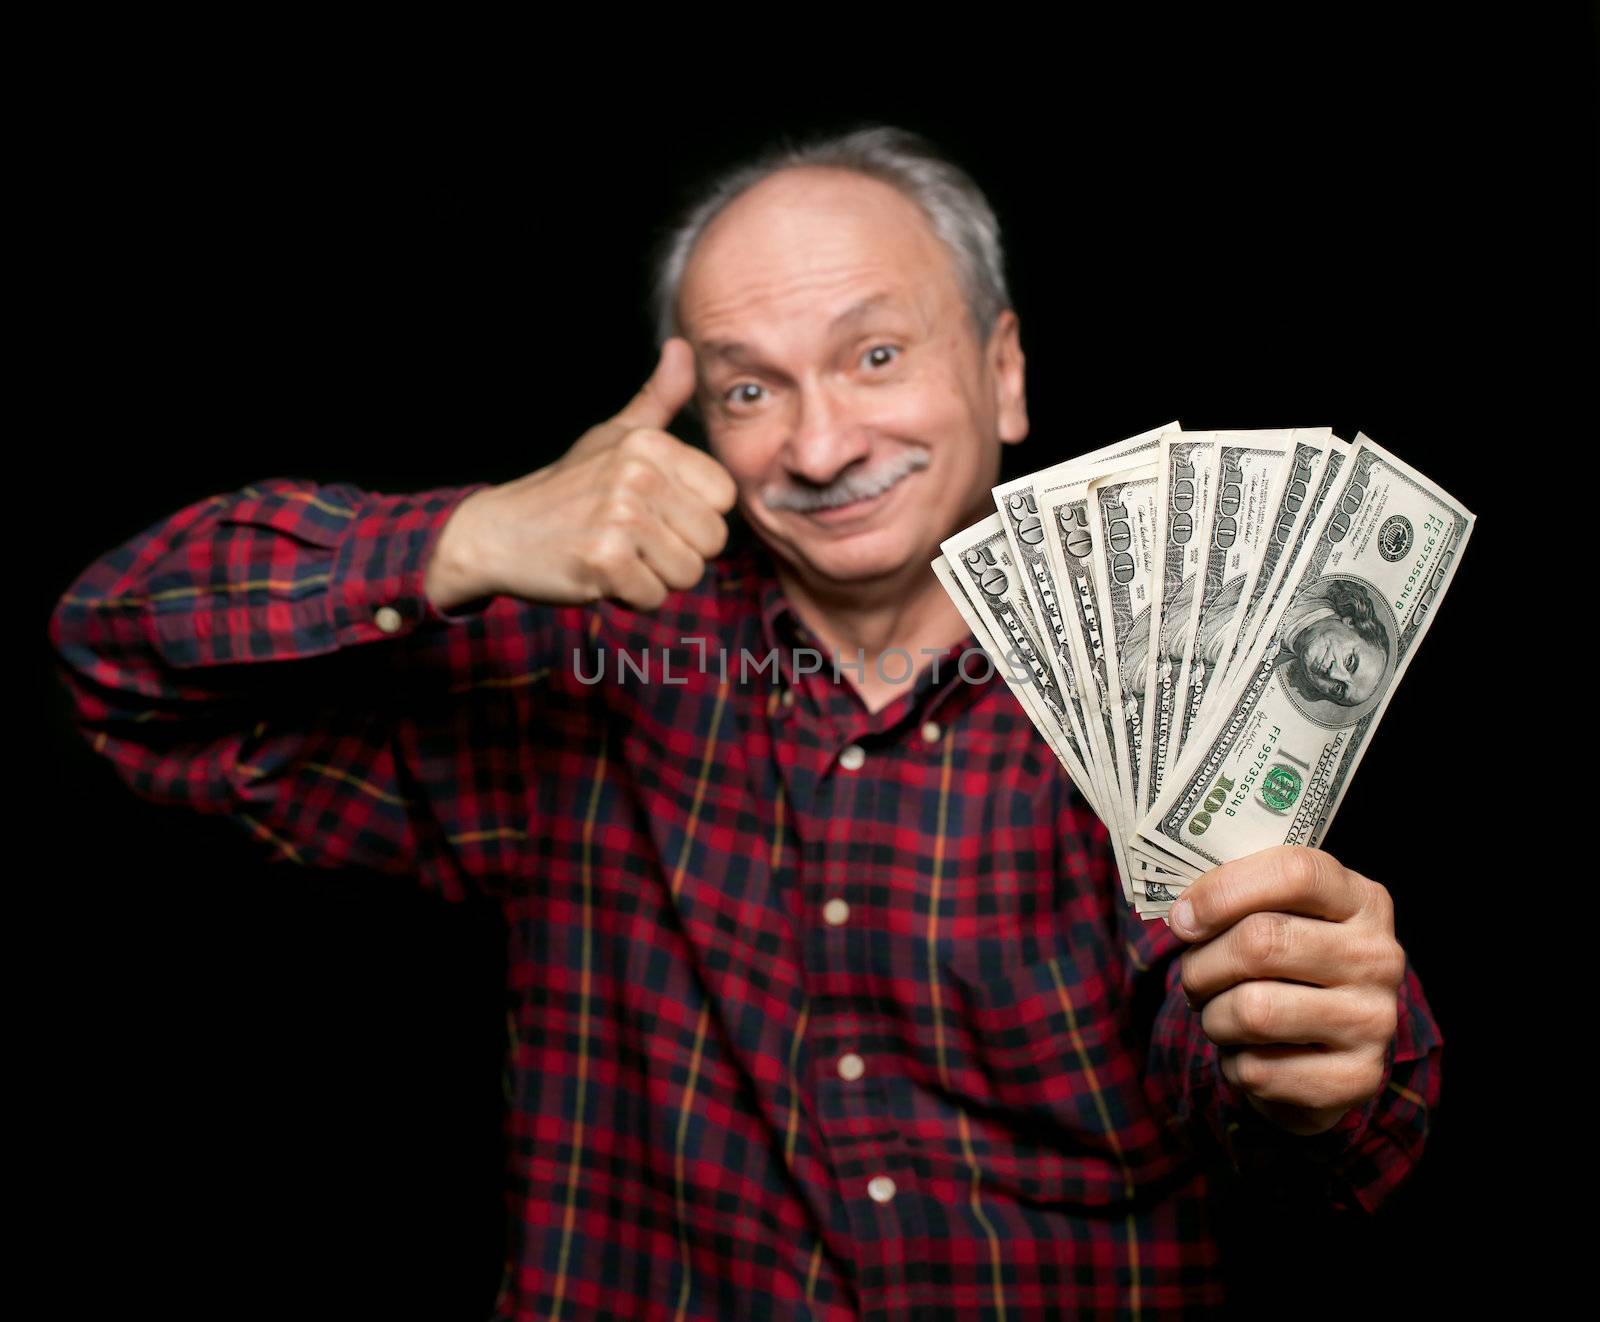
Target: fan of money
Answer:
[[1206, 627]]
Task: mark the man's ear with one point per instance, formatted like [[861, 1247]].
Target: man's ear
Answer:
[[1006, 367]]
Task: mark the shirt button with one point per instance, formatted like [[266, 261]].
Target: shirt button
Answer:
[[386, 618], [852, 757], [931, 732], [788, 698], [851, 1067], [881, 1188], [836, 913]]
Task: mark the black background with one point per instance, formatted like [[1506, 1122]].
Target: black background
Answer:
[[281, 1090]]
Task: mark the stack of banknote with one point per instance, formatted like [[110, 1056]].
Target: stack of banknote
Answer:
[[1206, 627]]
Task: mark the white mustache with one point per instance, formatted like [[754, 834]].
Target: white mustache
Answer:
[[847, 487]]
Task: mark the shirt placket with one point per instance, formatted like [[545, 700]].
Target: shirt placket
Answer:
[[839, 754]]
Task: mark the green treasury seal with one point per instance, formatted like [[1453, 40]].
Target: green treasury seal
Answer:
[[1280, 787]]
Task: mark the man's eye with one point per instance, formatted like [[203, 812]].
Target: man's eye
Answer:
[[1351, 662], [872, 355], [735, 395]]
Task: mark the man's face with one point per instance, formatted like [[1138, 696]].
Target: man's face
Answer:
[[841, 380], [1338, 662]]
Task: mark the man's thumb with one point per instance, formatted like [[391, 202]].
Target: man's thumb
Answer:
[[669, 388]]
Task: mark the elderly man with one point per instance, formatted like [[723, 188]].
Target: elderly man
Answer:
[[826, 1001]]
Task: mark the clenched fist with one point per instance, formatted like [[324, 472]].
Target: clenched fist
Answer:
[[629, 512], [1296, 974]]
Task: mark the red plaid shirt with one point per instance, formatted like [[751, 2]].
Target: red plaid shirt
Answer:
[[820, 1013]]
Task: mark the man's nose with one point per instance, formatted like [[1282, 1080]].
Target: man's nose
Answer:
[[825, 437]]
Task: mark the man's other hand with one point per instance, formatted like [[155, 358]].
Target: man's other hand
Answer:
[[630, 512], [1296, 973]]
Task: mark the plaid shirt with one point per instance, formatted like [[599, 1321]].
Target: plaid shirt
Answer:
[[818, 1013]]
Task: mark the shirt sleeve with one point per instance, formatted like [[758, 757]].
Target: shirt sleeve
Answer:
[[270, 654], [1355, 1165]]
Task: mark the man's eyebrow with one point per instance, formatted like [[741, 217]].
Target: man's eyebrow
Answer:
[[859, 309], [854, 313]]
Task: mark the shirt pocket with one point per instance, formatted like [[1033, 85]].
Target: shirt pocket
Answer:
[[1052, 1089]]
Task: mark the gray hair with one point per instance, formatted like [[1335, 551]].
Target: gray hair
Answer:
[[955, 206]]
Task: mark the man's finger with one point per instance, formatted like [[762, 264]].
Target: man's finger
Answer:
[[670, 558], [1286, 878], [621, 574], [693, 520], [1264, 1011], [1305, 1077], [669, 388], [704, 476], [1267, 944]]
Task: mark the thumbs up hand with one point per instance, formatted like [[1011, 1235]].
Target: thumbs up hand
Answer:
[[630, 512]]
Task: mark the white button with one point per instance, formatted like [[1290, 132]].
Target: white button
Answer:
[[881, 1187], [386, 618], [852, 757], [931, 732], [836, 913], [851, 1067], [788, 698]]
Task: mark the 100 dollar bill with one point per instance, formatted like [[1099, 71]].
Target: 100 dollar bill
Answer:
[[1058, 602], [1186, 476], [1374, 561]]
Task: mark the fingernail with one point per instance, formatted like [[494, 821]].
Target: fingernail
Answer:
[[1183, 918]]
